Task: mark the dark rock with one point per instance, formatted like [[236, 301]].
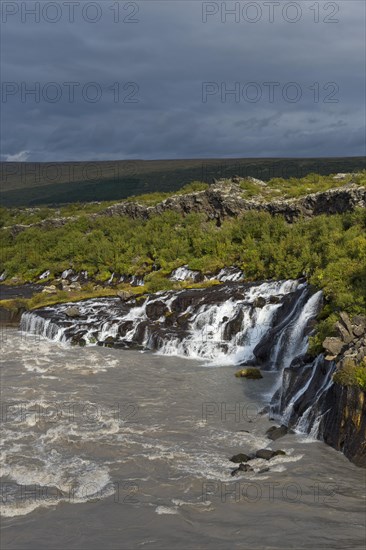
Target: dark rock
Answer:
[[280, 453], [77, 339], [108, 342], [125, 327], [234, 326], [259, 302], [274, 300], [266, 454], [183, 321], [241, 457], [11, 317], [156, 309], [274, 432]]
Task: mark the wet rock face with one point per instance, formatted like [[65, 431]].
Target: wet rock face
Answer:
[[345, 429], [156, 309], [311, 402]]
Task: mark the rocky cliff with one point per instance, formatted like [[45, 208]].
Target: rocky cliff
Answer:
[[323, 397], [226, 199]]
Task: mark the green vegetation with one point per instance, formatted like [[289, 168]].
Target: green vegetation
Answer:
[[351, 374], [329, 250], [276, 188]]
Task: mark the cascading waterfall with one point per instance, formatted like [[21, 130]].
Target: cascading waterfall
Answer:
[[235, 323], [224, 324], [34, 324]]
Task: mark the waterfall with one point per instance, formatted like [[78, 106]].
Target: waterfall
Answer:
[[235, 323], [35, 324], [223, 324]]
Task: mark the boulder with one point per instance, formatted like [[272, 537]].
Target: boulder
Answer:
[[241, 457], [259, 302], [359, 320], [275, 433], [124, 295], [72, 311], [75, 286], [333, 345], [267, 454], [346, 321], [343, 333], [249, 372], [358, 330]]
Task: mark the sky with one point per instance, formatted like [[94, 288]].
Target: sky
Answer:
[[173, 79]]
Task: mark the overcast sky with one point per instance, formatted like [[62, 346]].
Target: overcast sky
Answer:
[[151, 79]]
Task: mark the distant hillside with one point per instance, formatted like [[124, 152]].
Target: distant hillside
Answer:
[[30, 184]]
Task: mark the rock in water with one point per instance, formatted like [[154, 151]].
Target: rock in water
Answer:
[[249, 372], [242, 468], [259, 302], [241, 457], [267, 454], [73, 311], [275, 433]]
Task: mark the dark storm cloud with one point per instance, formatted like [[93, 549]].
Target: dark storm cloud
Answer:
[[163, 63]]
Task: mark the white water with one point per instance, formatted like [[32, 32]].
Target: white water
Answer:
[[206, 337], [110, 449]]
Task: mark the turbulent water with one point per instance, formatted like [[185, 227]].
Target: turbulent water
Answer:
[[110, 448]]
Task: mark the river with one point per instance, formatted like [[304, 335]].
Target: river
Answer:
[[112, 449]]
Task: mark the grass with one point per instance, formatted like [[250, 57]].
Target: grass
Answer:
[[351, 374], [276, 188]]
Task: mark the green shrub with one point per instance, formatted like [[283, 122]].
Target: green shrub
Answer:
[[351, 374]]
